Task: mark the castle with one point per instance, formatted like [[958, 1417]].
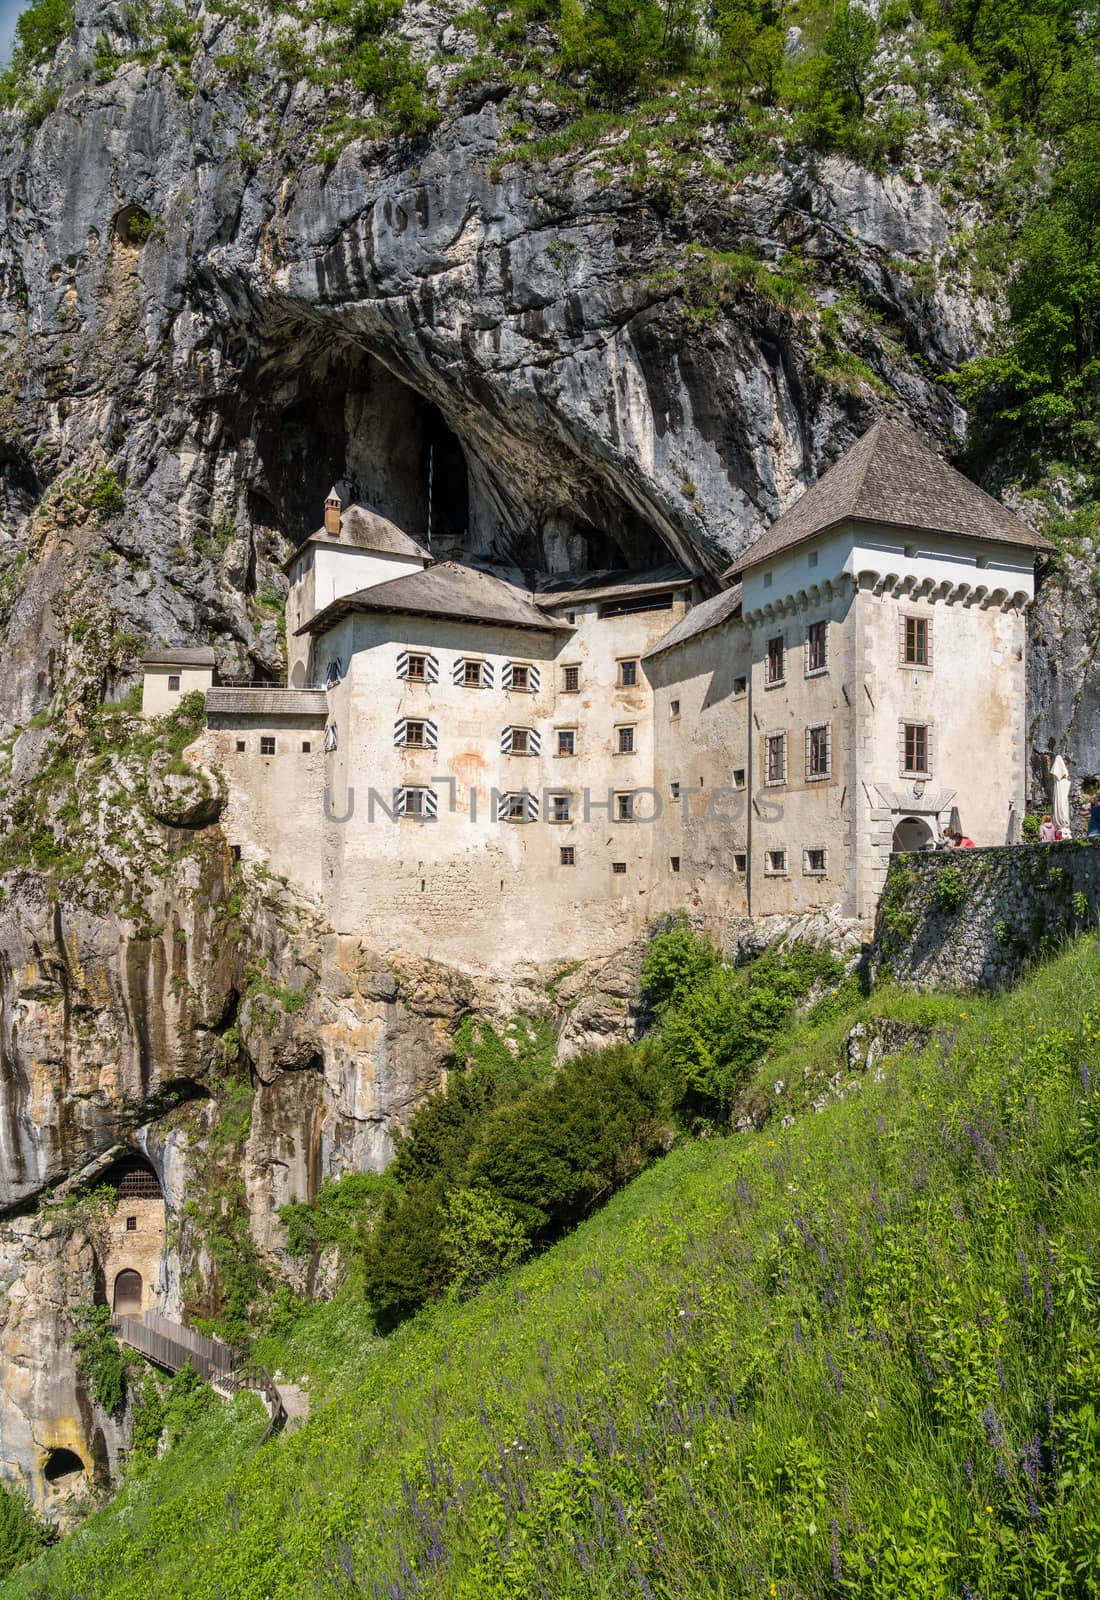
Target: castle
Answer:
[[477, 768]]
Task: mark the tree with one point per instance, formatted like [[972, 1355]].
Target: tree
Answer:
[[849, 46], [482, 1238]]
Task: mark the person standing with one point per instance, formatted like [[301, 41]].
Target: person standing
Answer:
[[1092, 812], [1047, 831]]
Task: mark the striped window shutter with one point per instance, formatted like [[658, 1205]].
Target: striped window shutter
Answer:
[[534, 742], [431, 667], [533, 679], [531, 806], [331, 738], [506, 742], [458, 672], [400, 731], [431, 803], [431, 736], [487, 674], [399, 798], [334, 672], [403, 664], [506, 675], [502, 808]]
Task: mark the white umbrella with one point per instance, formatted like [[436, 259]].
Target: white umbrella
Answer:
[[1013, 832], [1060, 813]]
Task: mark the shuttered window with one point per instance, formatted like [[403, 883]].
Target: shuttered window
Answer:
[[518, 806], [417, 803], [521, 677], [520, 742], [415, 733], [470, 674], [417, 667]]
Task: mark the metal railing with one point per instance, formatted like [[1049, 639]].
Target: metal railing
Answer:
[[172, 1345]]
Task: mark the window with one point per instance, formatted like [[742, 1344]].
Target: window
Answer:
[[740, 861], [817, 647], [520, 806], [674, 789], [414, 735], [521, 676], [674, 863], [567, 856], [567, 741], [738, 777], [775, 666], [628, 674], [811, 559], [813, 862], [560, 808], [267, 744], [767, 580], [624, 808], [818, 751], [914, 747], [618, 868], [241, 747], [417, 667], [624, 741], [673, 710], [570, 680], [416, 803], [637, 603], [307, 746], [775, 758], [173, 680], [775, 863], [740, 685], [916, 641], [520, 742], [473, 675], [131, 1224]]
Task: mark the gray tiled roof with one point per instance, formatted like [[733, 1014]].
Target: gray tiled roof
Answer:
[[452, 591], [362, 528], [179, 656], [707, 614], [611, 584], [891, 476], [263, 701]]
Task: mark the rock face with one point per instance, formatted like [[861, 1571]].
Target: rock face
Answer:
[[213, 327]]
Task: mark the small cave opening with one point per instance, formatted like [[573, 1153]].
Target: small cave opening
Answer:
[[132, 1178], [61, 1466], [132, 226]]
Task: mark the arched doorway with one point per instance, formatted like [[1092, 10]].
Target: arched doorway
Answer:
[[127, 1298], [912, 833]]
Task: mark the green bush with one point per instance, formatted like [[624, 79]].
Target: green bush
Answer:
[[21, 1534], [340, 1215], [98, 1358], [482, 1238], [42, 26], [950, 891]]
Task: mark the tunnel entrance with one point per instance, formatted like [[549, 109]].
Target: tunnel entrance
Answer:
[[61, 1466], [127, 1296]]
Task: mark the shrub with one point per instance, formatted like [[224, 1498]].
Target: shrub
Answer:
[[21, 1534], [950, 891], [99, 1360], [340, 1215], [482, 1237]]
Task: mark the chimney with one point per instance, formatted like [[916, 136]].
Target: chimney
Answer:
[[333, 508]]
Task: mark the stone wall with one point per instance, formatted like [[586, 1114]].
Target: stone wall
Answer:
[[974, 919]]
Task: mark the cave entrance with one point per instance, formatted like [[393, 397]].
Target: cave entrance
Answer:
[[127, 1296], [446, 485], [61, 1466]]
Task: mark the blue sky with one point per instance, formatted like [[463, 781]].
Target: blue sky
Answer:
[[9, 10]]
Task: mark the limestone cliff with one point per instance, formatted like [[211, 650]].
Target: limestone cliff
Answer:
[[552, 362]]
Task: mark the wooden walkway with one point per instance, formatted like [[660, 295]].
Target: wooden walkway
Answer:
[[172, 1345]]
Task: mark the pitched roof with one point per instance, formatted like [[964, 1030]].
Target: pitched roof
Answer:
[[458, 593], [610, 584], [891, 476], [179, 656], [363, 528], [707, 614]]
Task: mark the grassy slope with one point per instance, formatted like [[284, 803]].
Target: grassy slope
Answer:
[[855, 1356]]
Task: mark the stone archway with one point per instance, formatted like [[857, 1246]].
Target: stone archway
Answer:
[[127, 1295], [912, 833]]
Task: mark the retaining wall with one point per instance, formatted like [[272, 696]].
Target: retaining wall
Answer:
[[974, 919]]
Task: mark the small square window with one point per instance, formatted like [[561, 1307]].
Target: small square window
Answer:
[[740, 861], [767, 580], [521, 677], [674, 789], [131, 1224], [567, 741], [567, 856], [472, 674], [173, 680], [624, 808], [570, 680], [775, 666], [673, 710], [775, 863], [674, 863], [414, 802], [560, 809], [267, 744], [241, 746], [628, 674], [618, 868], [625, 741], [738, 777], [306, 747], [521, 742], [414, 735], [417, 669], [740, 685], [514, 809], [811, 559], [813, 862]]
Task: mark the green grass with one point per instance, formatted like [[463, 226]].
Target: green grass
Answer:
[[858, 1356]]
